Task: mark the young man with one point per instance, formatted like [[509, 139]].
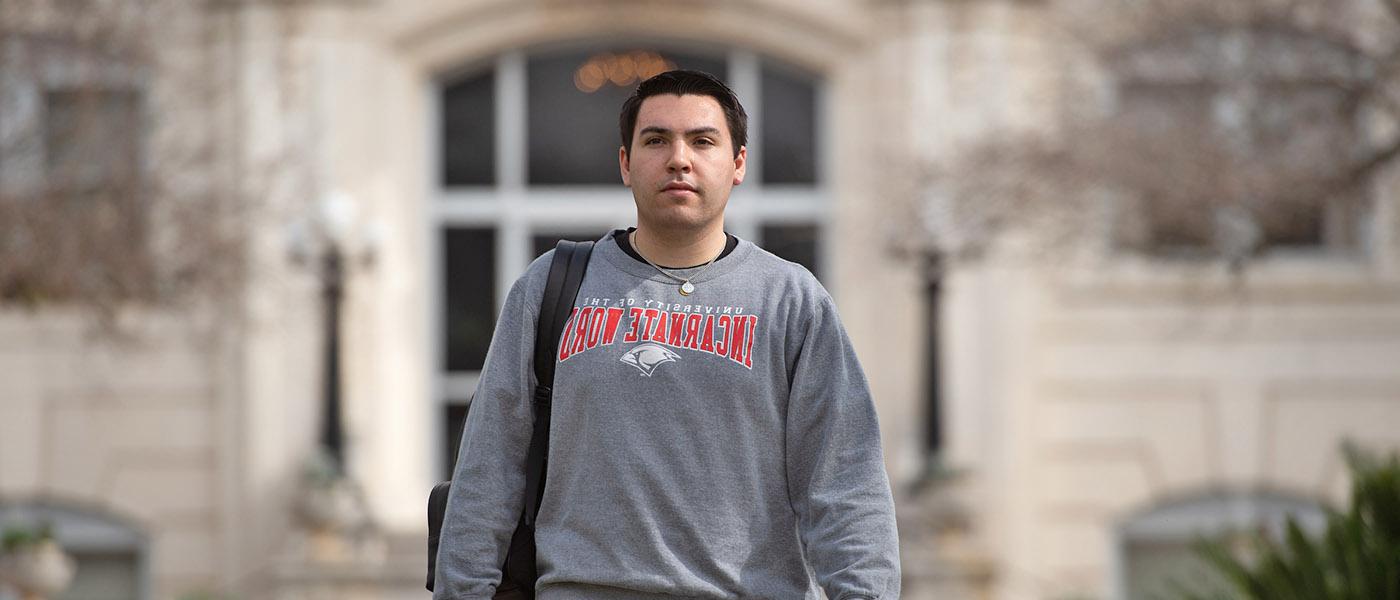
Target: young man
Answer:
[[713, 435]]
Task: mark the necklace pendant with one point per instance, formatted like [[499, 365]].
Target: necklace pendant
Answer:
[[687, 288]]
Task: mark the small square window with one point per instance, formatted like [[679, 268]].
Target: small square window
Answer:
[[469, 271], [469, 130], [797, 243], [92, 139], [789, 137]]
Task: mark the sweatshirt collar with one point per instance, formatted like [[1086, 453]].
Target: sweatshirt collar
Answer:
[[608, 249]]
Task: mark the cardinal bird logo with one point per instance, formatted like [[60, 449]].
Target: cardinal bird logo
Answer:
[[647, 357]]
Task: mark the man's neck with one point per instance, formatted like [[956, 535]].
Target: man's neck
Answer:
[[668, 248]]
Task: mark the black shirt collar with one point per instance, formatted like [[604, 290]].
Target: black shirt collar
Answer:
[[621, 237]]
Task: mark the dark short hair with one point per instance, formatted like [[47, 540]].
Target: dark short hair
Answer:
[[684, 82]]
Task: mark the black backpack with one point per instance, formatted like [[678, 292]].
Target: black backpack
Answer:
[[561, 288]]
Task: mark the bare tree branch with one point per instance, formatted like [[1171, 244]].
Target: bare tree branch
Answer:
[[1246, 106], [1362, 171], [1392, 7], [111, 195]]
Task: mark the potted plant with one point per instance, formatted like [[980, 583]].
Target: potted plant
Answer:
[[32, 562]]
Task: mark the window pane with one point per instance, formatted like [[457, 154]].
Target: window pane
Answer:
[[1189, 118], [92, 138], [1153, 568], [92, 147], [104, 576], [573, 108], [797, 243], [789, 126], [469, 131], [470, 275], [1186, 227], [1292, 224], [456, 414], [543, 242], [1179, 226]]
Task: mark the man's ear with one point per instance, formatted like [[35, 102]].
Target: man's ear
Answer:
[[741, 163], [623, 166]]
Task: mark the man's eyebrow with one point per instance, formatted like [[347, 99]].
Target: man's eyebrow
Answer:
[[665, 131]]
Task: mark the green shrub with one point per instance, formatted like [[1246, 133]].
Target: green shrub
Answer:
[[1357, 558], [16, 537]]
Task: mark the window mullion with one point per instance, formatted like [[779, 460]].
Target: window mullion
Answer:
[[742, 218], [511, 146], [512, 245], [511, 97], [744, 78]]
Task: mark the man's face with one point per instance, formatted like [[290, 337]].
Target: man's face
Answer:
[[681, 165]]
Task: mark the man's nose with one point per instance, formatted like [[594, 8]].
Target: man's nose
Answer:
[[679, 159]]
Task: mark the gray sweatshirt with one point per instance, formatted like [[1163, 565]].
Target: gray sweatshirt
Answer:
[[717, 445]]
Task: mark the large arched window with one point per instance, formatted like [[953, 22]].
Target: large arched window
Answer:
[[526, 155], [1155, 546], [111, 555]]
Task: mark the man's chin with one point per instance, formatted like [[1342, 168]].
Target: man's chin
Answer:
[[678, 220], [678, 214]]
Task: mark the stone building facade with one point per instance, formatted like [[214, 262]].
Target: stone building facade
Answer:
[[1093, 411]]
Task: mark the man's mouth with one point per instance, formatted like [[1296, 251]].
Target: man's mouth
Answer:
[[678, 186]]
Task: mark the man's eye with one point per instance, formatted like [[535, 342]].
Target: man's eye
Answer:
[[653, 141], [705, 142]]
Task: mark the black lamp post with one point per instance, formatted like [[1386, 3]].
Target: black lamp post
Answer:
[[933, 376], [327, 249], [332, 295]]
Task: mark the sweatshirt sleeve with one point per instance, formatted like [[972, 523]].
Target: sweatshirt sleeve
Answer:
[[488, 482], [836, 472]]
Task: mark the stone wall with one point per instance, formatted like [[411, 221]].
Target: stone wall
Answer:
[[130, 426]]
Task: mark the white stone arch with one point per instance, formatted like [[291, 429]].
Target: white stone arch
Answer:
[[816, 36], [417, 42]]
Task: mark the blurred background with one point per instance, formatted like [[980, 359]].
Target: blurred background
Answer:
[[1122, 272]]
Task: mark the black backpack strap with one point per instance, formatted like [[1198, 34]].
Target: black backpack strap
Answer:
[[437, 510], [561, 289]]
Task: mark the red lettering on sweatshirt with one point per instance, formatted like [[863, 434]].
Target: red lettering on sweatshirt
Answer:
[[730, 336], [610, 328], [748, 352], [692, 332], [707, 343], [722, 339], [635, 322], [659, 333], [677, 328], [565, 345], [650, 315], [738, 340], [581, 330], [595, 327]]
